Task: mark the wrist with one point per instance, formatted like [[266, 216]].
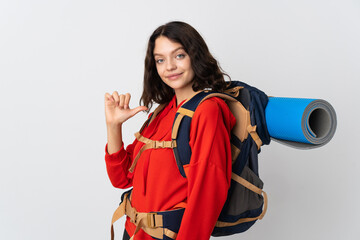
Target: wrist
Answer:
[[114, 125]]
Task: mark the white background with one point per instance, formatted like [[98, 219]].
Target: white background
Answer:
[[58, 58]]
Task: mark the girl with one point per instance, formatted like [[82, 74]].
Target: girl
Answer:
[[178, 65]]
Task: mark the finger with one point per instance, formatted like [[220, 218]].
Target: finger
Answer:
[[109, 97], [127, 100], [138, 109], [122, 100], [116, 97], [109, 100]]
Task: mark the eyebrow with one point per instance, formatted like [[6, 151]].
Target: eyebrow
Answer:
[[177, 49]]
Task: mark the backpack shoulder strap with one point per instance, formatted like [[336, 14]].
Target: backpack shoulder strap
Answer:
[[181, 126], [181, 130]]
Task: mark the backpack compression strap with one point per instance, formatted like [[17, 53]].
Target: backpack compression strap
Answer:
[[253, 188]]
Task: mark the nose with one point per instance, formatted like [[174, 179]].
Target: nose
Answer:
[[171, 65]]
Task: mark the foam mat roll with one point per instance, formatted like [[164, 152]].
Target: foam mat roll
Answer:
[[300, 122]]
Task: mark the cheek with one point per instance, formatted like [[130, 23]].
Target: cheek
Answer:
[[188, 66], [191, 72], [160, 69]]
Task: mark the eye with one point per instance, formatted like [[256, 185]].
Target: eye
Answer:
[[158, 61], [180, 56]]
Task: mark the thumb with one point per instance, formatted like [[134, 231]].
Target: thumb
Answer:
[[138, 109]]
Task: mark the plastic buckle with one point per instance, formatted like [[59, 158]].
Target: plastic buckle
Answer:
[[159, 144], [134, 221], [151, 220]]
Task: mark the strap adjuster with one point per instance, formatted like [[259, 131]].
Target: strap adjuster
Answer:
[[158, 144], [151, 220]]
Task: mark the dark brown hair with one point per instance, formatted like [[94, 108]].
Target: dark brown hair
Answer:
[[208, 73]]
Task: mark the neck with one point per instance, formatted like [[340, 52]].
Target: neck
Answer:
[[181, 96]]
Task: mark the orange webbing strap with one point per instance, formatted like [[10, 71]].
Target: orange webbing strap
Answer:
[[220, 95], [243, 126], [246, 183], [250, 129], [233, 91], [253, 188], [176, 125], [148, 145], [235, 151], [119, 212], [156, 112], [145, 124], [182, 113], [186, 112], [151, 223], [169, 233], [254, 135]]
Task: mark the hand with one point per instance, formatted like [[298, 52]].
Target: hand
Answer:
[[117, 109]]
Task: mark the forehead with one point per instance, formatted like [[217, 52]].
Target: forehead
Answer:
[[164, 45]]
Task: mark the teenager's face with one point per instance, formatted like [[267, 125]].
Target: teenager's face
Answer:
[[173, 65]]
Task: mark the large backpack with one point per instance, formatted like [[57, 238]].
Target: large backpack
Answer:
[[246, 201]]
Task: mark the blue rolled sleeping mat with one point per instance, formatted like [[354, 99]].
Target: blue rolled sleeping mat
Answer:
[[300, 122]]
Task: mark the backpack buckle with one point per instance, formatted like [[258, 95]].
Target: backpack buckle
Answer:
[[151, 220], [158, 144], [134, 220]]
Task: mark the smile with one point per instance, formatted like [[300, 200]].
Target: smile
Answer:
[[174, 76]]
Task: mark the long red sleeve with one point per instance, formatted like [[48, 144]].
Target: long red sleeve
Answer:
[[157, 182], [117, 166], [209, 171]]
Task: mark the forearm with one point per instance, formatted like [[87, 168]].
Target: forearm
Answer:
[[114, 137], [117, 158]]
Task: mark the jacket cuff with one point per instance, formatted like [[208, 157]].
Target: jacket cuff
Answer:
[[121, 154]]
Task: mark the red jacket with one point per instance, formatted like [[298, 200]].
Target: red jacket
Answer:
[[156, 181]]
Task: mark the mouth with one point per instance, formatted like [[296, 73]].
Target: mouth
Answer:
[[174, 76]]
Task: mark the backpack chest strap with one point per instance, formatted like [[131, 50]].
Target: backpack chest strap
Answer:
[[150, 144]]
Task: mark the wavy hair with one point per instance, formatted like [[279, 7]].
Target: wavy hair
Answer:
[[208, 74]]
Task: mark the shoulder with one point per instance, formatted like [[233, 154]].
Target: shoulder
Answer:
[[211, 118], [211, 106], [212, 110]]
